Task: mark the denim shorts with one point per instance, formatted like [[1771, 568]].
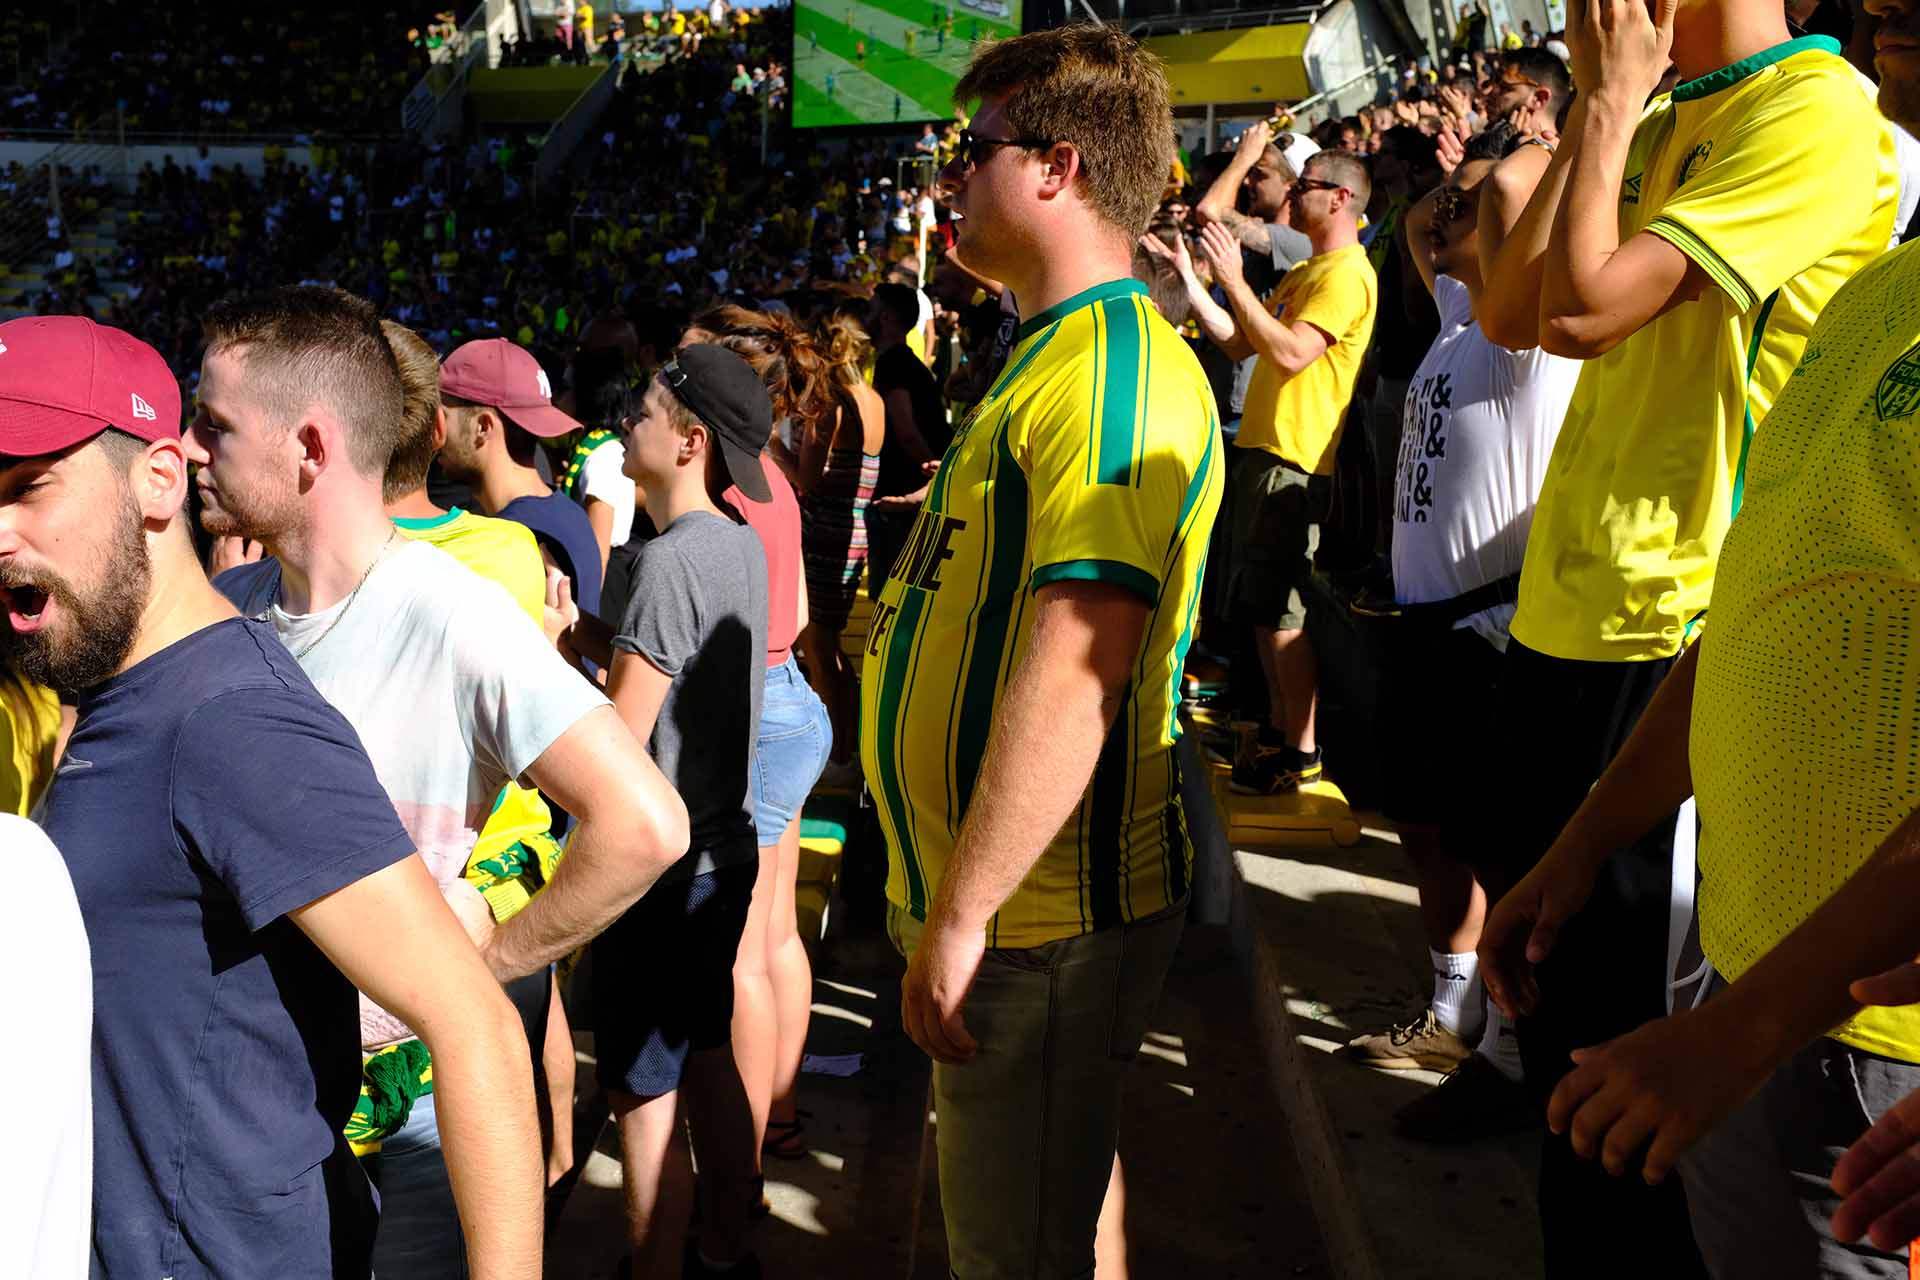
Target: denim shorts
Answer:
[[795, 736]]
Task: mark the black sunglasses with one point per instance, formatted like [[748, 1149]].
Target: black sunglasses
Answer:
[[972, 149], [1318, 184]]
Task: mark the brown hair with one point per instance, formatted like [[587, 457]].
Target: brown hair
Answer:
[[847, 344], [783, 353], [1345, 168], [420, 403], [1094, 87], [304, 344]]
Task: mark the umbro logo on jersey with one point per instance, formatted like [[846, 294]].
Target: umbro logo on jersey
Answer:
[[141, 409], [1630, 191]]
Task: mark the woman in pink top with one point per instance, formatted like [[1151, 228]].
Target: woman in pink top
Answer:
[[773, 982]]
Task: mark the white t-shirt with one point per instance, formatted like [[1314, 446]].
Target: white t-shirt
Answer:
[[605, 481], [1479, 427], [452, 688], [46, 1215]]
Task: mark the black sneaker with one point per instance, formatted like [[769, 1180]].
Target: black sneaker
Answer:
[[694, 1267], [1474, 1101], [1274, 771]]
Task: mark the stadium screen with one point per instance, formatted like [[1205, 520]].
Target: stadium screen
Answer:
[[868, 62]]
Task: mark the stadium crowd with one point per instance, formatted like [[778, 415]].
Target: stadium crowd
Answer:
[[594, 474]]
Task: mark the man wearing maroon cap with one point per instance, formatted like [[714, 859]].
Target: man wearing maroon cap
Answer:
[[450, 686], [238, 866], [499, 406]]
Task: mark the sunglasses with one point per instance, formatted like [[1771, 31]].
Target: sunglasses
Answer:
[[1317, 184], [1515, 81], [972, 150]]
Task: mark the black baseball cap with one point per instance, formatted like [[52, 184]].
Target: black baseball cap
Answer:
[[726, 394]]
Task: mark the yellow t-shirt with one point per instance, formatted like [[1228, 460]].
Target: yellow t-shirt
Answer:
[[1806, 706], [1299, 418], [1095, 456], [30, 718], [1777, 176], [502, 551]]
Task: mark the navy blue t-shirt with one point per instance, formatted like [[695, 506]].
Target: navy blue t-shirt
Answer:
[[562, 527], [206, 792]]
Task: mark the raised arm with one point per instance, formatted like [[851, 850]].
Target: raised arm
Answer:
[[1215, 320], [1216, 206], [395, 938], [1290, 346], [1596, 291], [1518, 202]]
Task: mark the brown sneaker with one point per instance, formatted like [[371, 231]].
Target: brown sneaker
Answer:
[[1420, 1045]]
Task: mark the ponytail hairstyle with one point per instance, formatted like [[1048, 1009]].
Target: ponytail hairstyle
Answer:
[[784, 354], [848, 344]]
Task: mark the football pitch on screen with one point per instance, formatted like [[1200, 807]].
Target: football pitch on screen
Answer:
[[887, 61]]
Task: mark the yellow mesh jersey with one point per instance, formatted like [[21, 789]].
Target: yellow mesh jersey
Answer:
[[503, 551], [1299, 418], [1806, 708], [30, 719], [1777, 176], [1096, 456]]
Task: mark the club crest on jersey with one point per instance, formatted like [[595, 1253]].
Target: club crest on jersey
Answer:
[[1899, 390], [1695, 158]]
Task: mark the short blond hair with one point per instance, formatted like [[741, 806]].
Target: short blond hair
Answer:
[[419, 405]]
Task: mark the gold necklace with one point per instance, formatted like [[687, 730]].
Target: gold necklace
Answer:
[[378, 556]]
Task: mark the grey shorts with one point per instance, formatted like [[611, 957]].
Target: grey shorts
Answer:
[[1274, 514], [1028, 1129], [1758, 1186]]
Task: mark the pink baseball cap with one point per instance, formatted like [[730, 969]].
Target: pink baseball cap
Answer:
[[65, 379], [504, 375]]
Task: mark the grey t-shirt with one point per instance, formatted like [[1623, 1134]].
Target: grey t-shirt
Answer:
[[1290, 248], [698, 613]]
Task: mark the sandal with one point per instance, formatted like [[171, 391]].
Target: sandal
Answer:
[[785, 1140]]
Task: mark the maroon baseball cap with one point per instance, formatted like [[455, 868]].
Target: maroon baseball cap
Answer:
[[504, 375], [65, 379]]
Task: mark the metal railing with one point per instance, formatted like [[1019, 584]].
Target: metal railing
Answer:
[[1379, 72], [42, 193], [452, 63], [1180, 23]]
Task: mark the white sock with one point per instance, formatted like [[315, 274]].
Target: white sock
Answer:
[[1456, 989], [1499, 1045]]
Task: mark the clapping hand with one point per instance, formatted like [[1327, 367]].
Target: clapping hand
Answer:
[[1222, 252], [1178, 255], [1620, 49]]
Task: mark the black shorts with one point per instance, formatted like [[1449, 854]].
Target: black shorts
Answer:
[[1560, 722], [663, 980], [1435, 722]]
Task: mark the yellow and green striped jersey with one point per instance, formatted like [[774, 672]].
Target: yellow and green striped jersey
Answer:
[[1096, 455]]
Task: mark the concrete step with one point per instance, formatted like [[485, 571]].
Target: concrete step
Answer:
[[1332, 944]]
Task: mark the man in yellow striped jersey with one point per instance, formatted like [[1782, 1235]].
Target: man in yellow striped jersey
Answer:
[[1019, 700]]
